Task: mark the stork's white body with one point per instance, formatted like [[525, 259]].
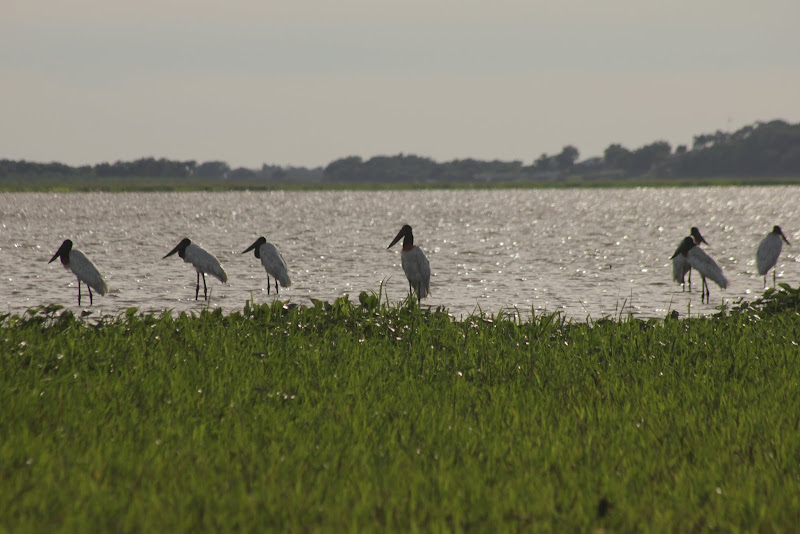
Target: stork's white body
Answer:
[[768, 251], [703, 264], [85, 271], [680, 263], [75, 261], [205, 262], [767, 255], [680, 268], [274, 264], [706, 266], [417, 269], [415, 264]]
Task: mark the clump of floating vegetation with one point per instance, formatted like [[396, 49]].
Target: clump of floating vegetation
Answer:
[[371, 416], [785, 299]]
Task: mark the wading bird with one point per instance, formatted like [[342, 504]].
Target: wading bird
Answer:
[[272, 261], [703, 264], [768, 251], [680, 265], [203, 261], [74, 260], [415, 264]]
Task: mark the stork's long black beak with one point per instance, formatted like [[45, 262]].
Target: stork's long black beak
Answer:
[[251, 247], [397, 238], [61, 250], [786, 240], [173, 251], [695, 233]]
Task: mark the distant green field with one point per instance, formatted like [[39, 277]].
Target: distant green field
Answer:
[[145, 184], [370, 417]]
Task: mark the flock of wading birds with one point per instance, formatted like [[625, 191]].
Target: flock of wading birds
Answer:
[[415, 265], [688, 256]]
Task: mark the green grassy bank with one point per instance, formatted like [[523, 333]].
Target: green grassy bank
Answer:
[[369, 417], [150, 184]]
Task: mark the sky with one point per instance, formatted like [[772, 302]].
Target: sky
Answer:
[[305, 82]]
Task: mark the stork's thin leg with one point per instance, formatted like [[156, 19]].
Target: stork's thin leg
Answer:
[[276, 287], [79, 292], [205, 289], [268, 284], [90, 294], [690, 279], [773, 276], [197, 287]]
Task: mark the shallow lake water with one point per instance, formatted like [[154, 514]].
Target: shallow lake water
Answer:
[[584, 252]]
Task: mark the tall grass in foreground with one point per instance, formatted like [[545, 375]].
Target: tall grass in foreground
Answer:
[[363, 416]]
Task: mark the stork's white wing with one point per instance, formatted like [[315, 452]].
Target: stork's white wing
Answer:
[[768, 251], [274, 264], [680, 266], [417, 269], [706, 266], [86, 272], [205, 262]]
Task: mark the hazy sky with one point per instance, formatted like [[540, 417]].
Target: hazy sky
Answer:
[[304, 82]]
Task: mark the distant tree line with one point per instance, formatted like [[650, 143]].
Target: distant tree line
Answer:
[[762, 149], [403, 169], [159, 168]]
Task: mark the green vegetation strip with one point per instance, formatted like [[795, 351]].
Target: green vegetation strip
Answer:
[[369, 417], [161, 185]]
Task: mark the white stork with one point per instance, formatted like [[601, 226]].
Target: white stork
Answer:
[[203, 262], [272, 261], [680, 265], [703, 264], [415, 264], [768, 251], [74, 260]]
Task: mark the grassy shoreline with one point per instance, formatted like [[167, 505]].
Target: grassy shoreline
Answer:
[[147, 184], [369, 416]]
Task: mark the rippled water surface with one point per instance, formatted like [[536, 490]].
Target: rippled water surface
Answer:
[[585, 252]]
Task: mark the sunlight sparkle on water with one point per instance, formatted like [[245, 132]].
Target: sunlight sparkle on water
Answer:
[[520, 244]]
